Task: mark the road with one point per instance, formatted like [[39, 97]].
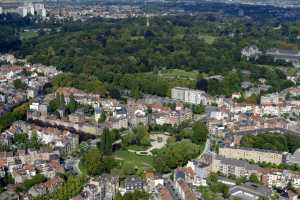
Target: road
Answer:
[[206, 148]]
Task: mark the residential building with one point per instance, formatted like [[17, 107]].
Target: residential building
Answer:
[[184, 190], [9, 195], [161, 193], [134, 183], [251, 52], [288, 55], [109, 186], [22, 11], [250, 191], [256, 155], [280, 178], [49, 186], [229, 166], [201, 171], [189, 95], [294, 158]]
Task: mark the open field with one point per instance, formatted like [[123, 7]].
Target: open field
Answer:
[[138, 161], [207, 38], [179, 74], [28, 35]]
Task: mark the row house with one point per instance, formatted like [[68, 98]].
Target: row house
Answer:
[[280, 178], [185, 173], [133, 183], [139, 116], [118, 123], [79, 95], [20, 173], [229, 166], [49, 71], [49, 186], [153, 181], [201, 170], [104, 187], [274, 98], [243, 108], [220, 114], [161, 193], [294, 91], [216, 126], [109, 186], [189, 95], [184, 190], [257, 155]]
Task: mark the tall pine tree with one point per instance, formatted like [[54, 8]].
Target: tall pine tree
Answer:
[[106, 142]]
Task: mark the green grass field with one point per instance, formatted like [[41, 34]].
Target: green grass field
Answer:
[[207, 38], [138, 161], [28, 35], [179, 74], [138, 148]]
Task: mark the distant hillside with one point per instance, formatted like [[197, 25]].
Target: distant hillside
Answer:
[[286, 3], [19, 1]]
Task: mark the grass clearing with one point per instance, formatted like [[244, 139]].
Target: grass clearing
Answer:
[[138, 148], [28, 35], [137, 37], [139, 161], [179, 74], [207, 38]]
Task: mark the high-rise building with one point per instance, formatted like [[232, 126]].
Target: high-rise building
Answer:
[[40, 9], [22, 11], [30, 8], [189, 96], [1, 10]]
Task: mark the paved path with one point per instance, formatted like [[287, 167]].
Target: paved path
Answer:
[[154, 144], [206, 148]]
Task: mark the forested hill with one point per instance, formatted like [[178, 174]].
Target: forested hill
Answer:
[[128, 46], [126, 54]]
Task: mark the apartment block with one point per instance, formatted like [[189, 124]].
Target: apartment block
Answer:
[[229, 166], [189, 96], [257, 155]]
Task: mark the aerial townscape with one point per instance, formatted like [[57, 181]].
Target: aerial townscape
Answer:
[[158, 100]]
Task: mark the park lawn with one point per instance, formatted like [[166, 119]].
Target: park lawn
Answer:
[[139, 161], [28, 35], [207, 38], [137, 38], [82, 169], [179, 74], [138, 148]]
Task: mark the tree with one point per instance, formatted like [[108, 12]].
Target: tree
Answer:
[[118, 196], [18, 84], [39, 178], [106, 142], [136, 195], [174, 155], [253, 178], [102, 117], [128, 168], [200, 133], [198, 109], [202, 84], [72, 105], [70, 188], [142, 135], [92, 161], [35, 142], [21, 140]]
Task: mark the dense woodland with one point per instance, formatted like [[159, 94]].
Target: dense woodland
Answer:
[[117, 57], [125, 54], [272, 141]]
